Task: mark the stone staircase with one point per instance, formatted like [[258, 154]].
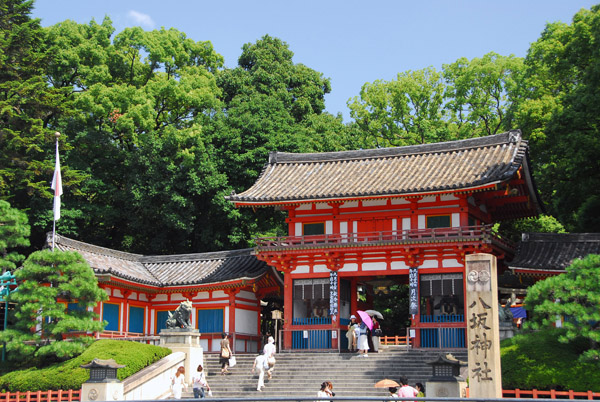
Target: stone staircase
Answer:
[[301, 374]]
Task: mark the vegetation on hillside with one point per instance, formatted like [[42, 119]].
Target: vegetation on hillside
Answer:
[[68, 375], [538, 360]]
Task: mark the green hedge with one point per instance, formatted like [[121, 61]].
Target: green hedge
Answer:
[[68, 375], [538, 360]]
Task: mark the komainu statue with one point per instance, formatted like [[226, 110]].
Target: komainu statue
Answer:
[[180, 318]]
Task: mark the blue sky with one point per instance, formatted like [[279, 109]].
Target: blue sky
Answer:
[[351, 42]]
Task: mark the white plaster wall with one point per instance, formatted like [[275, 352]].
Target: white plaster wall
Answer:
[[429, 264], [244, 294], [374, 203], [349, 204], [349, 267], [451, 263], [344, 227], [177, 297], [398, 265], [399, 201], [219, 293], [143, 297], [246, 303], [455, 220], [374, 266], [202, 295], [161, 297], [448, 197], [121, 314], [421, 221], [405, 223], [320, 268], [226, 319], [304, 207], [328, 227], [246, 321], [354, 227], [298, 229], [117, 293], [302, 269], [429, 198], [394, 225], [322, 205]]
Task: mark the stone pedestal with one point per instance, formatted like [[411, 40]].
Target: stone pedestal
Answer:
[[101, 391], [446, 389], [186, 340], [506, 330]]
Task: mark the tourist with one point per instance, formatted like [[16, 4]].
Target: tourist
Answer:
[[363, 340], [393, 392], [199, 383], [178, 382], [260, 365], [350, 335], [269, 351], [376, 333], [225, 353], [420, 390], [406, 391], [325, 391]]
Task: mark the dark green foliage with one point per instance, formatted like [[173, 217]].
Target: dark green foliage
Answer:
[[68, 375], [394, 308], [575, 296], [46, 279], [14, 232], [537, 360]]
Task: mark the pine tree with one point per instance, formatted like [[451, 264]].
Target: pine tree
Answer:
[[56, 293]]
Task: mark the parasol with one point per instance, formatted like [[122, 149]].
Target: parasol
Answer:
[[386, 384], [374, 313], [366, 318]]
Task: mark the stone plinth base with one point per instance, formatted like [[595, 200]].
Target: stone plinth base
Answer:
[[101, 391], [187, 341], [506, 331], [446, 389]]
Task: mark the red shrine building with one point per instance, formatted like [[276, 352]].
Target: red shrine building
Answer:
[[225, 288], [363, 220]]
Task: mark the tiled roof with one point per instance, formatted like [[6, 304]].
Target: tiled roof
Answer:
[[169, 270], [437, 167], [553, 252]]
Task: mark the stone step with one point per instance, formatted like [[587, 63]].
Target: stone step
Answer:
[[299, 374]]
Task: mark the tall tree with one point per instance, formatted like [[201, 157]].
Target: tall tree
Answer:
[[50, 282], [141, 102], [557, 103], [14, 233], [28, 107]]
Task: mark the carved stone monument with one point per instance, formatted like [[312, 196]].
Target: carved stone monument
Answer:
[[446, 380], [181, 336], [483, 340]]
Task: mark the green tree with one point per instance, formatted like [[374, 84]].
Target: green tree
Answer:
[[468, 98], [573, 295], [14, 232], [539, 224], [557, 103], [48, 283], [28, 106], [141, 102]]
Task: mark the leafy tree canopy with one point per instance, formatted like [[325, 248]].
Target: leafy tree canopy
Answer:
[[575, 296], [14, 232], [48, 283]]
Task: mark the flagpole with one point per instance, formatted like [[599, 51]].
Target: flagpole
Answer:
[[56, 182]]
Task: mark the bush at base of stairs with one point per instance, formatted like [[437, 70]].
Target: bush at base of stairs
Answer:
[[537, 360], [68, 375]]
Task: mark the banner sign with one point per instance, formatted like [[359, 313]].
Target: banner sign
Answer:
[[413, 290], [333, 293]]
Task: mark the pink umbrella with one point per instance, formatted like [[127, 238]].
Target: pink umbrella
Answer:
[[365, 318]]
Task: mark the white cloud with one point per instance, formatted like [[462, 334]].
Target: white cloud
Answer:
[[141, 19]]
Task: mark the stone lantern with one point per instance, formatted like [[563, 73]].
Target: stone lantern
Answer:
[[103, 384], [446, 380]]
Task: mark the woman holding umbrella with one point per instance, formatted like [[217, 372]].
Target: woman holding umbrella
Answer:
[[363, 340]]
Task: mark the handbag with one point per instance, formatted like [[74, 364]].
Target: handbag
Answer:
[[378, 332], [225, 353], [232, 361]]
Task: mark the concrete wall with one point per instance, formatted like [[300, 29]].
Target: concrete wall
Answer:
[[154, 381]]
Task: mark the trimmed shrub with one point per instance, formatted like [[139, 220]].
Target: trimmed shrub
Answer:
[[68, 375], [537, 360]]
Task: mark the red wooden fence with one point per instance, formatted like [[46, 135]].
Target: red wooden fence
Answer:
[[552, 394], [42, 396]]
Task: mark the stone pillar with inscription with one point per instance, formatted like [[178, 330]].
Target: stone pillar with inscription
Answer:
[[483, 340]]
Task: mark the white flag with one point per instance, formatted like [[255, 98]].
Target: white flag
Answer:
[[57, 187]]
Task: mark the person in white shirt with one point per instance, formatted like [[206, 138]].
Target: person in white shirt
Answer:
[[269, 351], [260, 364], [199, 383]]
